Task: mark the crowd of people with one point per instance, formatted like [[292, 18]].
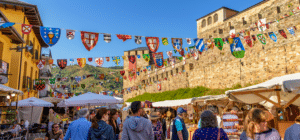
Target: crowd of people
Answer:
[[139, 125]]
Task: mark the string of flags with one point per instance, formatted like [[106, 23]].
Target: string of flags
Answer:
[[89, 39]]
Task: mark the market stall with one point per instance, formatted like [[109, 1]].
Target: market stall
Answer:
[[277, 95]]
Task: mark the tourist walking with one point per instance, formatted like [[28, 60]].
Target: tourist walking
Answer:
[[179, 130], [55, 133], [78, 129], [256, 127], [209, 128], [136, 127], [100, 129], [113, 116], [293, 132], [163, 114], [156, 126]]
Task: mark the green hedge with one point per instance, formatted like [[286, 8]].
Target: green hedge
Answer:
[[183, 93]]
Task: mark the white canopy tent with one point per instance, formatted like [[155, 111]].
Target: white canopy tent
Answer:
[[32, 102], [286, 90], [171, 103], [4, 88], [89, 99]]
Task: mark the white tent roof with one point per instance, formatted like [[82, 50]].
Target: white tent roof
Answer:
[[30, 102], [171, 103], [290, 88], [9, 89], [120, 99], [89, 99], [52, 99]]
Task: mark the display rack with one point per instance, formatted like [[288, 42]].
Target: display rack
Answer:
[[8, 114], [239, 128]]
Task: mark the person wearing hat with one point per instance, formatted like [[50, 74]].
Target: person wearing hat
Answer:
[[179, 130], [156, 126]]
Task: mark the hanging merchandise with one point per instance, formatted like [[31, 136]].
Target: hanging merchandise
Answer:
[[177, 44], [261, 38], [283, 33], [291, 30], [188, 41], [52, 81], [146, 57], [219, 43], [72, 61], [50, 61], [50, 35], [152, 43], [6, 25], [199, 44], [107, 38], [165, 41], [40, 84], [70, 34], [158, 59], [210, 44], [261, 24], [124, 37], [116, 59], [81, 62], [170, 54], [26, 29], [107, 59], [90, 59], [132, 67], [237, 48], [138, 40], [232, 33], [273, 36], [41, 64], [62, 63], [89, 39]]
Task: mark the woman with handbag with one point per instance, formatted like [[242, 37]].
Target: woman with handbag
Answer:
[[209, 128]]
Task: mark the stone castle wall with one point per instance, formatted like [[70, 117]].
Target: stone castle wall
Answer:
[[219, 69]]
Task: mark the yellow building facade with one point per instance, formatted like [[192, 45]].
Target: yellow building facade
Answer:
[[21, 65]]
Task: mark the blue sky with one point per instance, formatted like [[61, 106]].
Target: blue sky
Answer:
[[157, 18]]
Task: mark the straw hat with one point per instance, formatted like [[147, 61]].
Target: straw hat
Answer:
[[154, 116]]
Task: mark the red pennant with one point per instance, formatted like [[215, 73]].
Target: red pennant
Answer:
[[124, 37], [26, 29], [90, 59]]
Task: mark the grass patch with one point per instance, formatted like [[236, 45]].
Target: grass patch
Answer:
[[182, 93]]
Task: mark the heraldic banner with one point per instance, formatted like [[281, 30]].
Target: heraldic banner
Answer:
[[132, 67], [158, 59]]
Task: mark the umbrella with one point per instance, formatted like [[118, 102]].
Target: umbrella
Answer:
[[88, 99]]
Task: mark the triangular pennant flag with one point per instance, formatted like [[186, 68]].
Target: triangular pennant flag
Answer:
[[41, 64], [291, 30], [124, 37], [146, 57], [90, 59], [165, 41], [261, 38], [26, 29], [283, 33], [152, 43], [50, 35], [273, 36], [70, 34], [89, 39], [62, 63], [188, 41], [237, 48], [219, 43], [116, 59], [81, 62], [107, 59], [138, 39], [107, 38], [99, 61]]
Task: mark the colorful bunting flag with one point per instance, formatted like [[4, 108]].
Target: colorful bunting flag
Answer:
[[89, 39], [99, 61], [283, 33], [237, 48], [107, 38], [138, 39], [199, 44], [165, 41], [152, 43], [50, 35], [219, 43], [158, 59], [26, 29], [70, 34], [123, 37], [81, 62], [273, 36], [177, 44], [261, 38], [146, 57]]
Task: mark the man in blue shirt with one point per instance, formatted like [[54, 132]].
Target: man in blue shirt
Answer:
[[78, 130], [293, 132], [179, 130]]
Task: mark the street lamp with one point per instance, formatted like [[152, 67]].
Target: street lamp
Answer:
[[19, 49]]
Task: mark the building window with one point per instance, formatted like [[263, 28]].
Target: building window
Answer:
[[203, 23], [176, 70], [244, 21], [278, 9], [230, 27], [182, 68], [191, 66], [209, 20], [172, 72], [259, 16], [220, 31], [215, 18]]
